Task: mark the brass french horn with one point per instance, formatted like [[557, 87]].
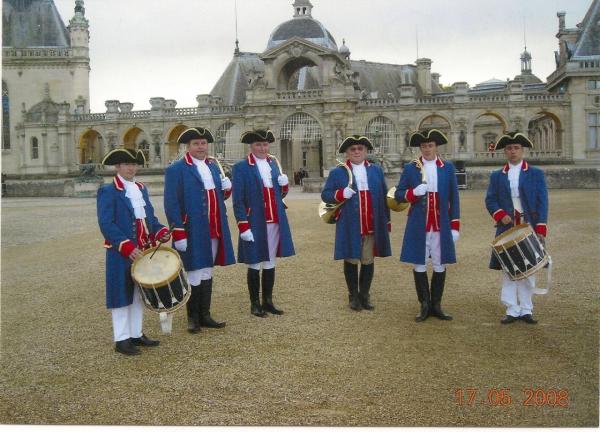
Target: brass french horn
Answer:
[[326, 210], [401, 206]]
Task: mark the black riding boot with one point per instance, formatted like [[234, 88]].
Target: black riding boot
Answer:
[[268, 280], [364, 282], [351, 275], [437, 290], [422, 285], [193, 310], [205, 299], [253, 279]]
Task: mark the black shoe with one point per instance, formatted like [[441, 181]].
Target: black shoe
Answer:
[[253, 280], [437, 290], [528, 319], [422, 287], [205, 320], [268, 281], [144, 341], [508, 319], [351, 276], [127, 348], [364, 285], [193, 310]]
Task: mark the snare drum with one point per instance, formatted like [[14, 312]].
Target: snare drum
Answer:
[[162, 279], [520, 252]]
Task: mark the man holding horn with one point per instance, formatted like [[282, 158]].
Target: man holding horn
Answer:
[[429, 184], [363, 221], [195, 193], [259, 187]]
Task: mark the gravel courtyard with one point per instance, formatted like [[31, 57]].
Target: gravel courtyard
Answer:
[[318, 364]]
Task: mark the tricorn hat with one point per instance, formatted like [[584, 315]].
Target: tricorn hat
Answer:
[[512, 138], [124, 155], [195, 133], [255, 135], [353, 140], [427, 135]]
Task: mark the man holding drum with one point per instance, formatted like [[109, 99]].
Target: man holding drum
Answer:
[[195, 194], [517, 194], [259, 187], [128, 224], [429, 184], [363, 221]]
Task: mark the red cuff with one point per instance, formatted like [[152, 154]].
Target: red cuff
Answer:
[[285, 189], [243, 226], [126, 247], [455, 224], [226, 193], [339, 195], [541, 229], [389, 227], [499, 214], [179, 234], [161, 232], [410, 196]]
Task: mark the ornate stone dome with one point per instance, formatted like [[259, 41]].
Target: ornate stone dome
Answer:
[[303, 25]]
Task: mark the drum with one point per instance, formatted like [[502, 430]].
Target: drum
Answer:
[[162, 279], [520, 252]]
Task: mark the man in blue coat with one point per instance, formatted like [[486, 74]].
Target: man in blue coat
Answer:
[[429, 184], [128, 224], [363, 221], [516, 194], [259, 187], [195, 194]]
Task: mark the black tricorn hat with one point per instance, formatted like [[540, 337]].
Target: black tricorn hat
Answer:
[[427, 135], [255, 135], [353, 140], [195, 133], [124, 155], [512, 138]]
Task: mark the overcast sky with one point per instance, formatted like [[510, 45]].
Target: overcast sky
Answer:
[[178, 49]]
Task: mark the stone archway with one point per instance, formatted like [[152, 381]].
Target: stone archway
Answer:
[[91, 147], [545, 132], [299, 73], [136, 139], [174, 150], [486, 129], [227, 142], [382, 133], [301, 145]]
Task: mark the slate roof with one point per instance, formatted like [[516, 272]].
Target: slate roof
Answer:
[[32, 23]]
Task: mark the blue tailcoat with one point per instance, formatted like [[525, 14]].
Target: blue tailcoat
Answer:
[[117, 224], [249, 206], [185, 200], [413, 245], [347, 227], [532, 193]]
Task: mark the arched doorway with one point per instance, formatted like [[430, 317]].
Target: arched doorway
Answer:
[[91, 147], [227, 143], [174, 150], [299, 74], [440, 123], [382, 133], [545, 133], [487, 128], [301, 145], [136, 139]]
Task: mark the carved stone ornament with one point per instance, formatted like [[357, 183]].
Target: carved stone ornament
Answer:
[[295, 51]]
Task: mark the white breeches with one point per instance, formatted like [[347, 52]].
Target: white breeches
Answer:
[[273, 244], [127, 320], [517, 295], [433, 250], [197, 276]]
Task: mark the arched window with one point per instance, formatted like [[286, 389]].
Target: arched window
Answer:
[[382, 133], [35, 151], [227, 142], [5, 118]]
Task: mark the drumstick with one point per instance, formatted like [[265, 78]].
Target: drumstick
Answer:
[[159, 245]]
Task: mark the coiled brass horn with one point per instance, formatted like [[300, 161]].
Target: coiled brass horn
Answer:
[[326, 210], [393, 204]]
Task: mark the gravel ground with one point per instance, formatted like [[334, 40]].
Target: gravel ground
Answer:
[[318, 364]]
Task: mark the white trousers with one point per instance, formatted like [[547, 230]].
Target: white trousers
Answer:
[[273, 244], [127, 320], [433, 250], [517, 295], [197, 276]]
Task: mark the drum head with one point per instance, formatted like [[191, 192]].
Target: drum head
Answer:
[[160, 270], [513, 235]]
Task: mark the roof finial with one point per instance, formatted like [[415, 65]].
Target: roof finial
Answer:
[[236, 51], [79, 7]]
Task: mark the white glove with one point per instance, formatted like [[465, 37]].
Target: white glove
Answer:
[[348, 192], [420, 190], [181, 245], [283, 180], [455, 236], [225, 183], [247, 236]]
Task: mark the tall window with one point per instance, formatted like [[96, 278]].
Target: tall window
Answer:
[[227, 142], [593, 84], [35, 151], [5, 118], [594, 131], [382, 134]]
